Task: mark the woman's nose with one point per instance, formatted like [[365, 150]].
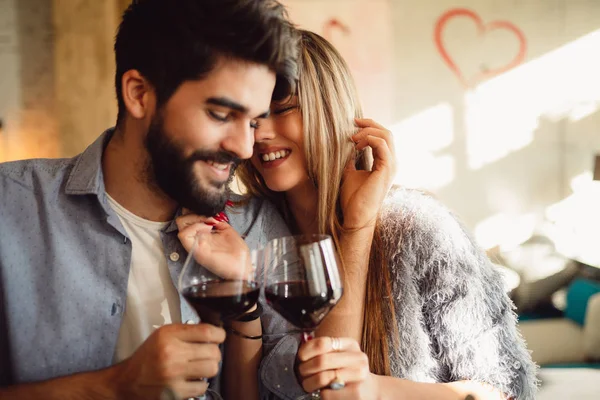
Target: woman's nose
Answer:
[[265, 130]]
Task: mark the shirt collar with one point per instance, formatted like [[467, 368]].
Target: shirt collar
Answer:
[[87, 176]]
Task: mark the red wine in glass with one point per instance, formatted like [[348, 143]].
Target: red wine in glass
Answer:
[[294, 301], [302, 280], [217, 301]]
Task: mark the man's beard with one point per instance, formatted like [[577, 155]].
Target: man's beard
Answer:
[[171, 172]]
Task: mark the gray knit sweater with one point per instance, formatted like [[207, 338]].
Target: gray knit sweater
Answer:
[[455, 319]]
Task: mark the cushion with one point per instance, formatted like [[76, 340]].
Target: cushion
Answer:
[[553, 341], [578, 295], [591, 330]]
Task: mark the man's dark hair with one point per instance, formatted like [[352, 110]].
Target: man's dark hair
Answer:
[[173, 41]]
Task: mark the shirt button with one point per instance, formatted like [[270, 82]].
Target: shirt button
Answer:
[[174, 256]]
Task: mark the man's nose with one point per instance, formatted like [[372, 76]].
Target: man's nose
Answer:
[[241, 141]]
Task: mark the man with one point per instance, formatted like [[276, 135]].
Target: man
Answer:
[[89, 248]]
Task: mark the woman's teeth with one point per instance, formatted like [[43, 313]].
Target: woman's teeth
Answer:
[[221, 167], [275, 155]]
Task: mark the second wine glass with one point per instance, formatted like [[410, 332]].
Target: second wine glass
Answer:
[[218, 298], [302, 280]]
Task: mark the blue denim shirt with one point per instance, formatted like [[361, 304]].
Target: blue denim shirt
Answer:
[[64, 267]]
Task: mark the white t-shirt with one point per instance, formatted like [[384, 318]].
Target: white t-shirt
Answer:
[[152, 299]]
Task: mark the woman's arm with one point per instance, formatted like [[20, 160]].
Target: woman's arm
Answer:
[[469, 317], [320, 365], [346, 319], [241, 361], [361, 195], [395, 389]]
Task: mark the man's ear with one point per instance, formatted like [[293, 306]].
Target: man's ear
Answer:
[[138, 94]]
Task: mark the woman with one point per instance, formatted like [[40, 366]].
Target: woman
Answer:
[[424, 313]]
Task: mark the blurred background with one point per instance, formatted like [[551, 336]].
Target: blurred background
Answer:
[[494, 106]]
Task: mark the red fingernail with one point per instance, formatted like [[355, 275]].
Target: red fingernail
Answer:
[[225, 217], [229, 203], [220, 217], [210, 223], [307, 337]]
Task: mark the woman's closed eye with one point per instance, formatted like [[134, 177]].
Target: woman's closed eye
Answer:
[[285, 109]]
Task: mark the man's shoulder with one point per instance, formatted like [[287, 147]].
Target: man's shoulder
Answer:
[[35, 172]]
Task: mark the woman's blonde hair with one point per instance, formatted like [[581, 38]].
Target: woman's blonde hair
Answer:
[[329, 103]]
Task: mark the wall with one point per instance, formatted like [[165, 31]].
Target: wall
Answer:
[[56, 75], [500, 136], [84, 65], [27, 106]]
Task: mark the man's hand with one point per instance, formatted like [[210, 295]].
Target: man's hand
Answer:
[[174, 357]]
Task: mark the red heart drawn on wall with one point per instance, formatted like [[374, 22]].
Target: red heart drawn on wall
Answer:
[[481, 28], [332, 24]]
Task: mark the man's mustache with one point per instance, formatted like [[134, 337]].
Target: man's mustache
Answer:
[[219, 157]]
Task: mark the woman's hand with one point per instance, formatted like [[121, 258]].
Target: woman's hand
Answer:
[[363, 192], [219, 247], [325, 361]]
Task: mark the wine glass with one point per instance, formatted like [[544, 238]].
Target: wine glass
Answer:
[[302, 280], [218, 298]]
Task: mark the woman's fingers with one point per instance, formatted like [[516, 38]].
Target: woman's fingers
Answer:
[[332, 361], [326, 344], [323, 379], [186, 220], [188, 234], [380, 140], [382, 133], [381, 151], [367, 122]]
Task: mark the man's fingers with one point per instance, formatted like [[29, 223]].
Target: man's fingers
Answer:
[[200, 333], [202, 351], [187, 389], [195, 370]]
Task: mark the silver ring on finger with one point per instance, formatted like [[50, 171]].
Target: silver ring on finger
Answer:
[[337, 383], [336, 344]]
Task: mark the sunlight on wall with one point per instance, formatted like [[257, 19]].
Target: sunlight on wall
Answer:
[[575, 221], [505, 231], [418, 140], [503, 113]]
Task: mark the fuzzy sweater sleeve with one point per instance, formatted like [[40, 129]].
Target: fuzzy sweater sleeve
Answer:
[[466, 312]]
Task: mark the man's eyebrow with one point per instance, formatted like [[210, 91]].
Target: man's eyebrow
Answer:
[[228, 103], [225, 102]]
